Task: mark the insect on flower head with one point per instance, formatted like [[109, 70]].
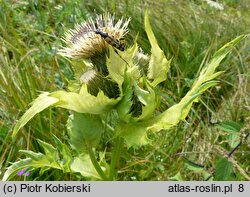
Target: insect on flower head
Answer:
[[92, 37]]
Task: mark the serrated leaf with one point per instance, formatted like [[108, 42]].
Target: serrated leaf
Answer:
[[84, 129], [84, 102], [141, 94], [45, 161], [65, 152], [39, 161], [129, 54], [149, 100], [178, 112], [80, 67], [124, 106], [171, 116], [158, 63], [49, 150], [43, 170], [51, 155], [31, 154], [116, 67], [74, 86], [234, 139], [132, 70], [223, 170], [134, 134], [207, 72], [120, 61]]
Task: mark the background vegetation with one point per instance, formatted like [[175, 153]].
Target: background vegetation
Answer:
[[188, 31]]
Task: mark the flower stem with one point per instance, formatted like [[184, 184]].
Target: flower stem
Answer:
[[115, 158], [95, 163]]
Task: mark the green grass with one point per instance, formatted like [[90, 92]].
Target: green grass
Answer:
[[188, 31]]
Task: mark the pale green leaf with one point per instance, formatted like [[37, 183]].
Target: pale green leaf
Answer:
[[45, 161], [12, 170], [65, 152], [74, 86], [174, 114], [49, 150], [120, 61], [41, 160], [37, 160], [171, 116], [124, 106], [141, 94], [134, 134], [80, 66], [129, 54], [148, 98], [31, 154], [83, 165], [84, 102], [234, 139], [39, 104], [158, 63], [229, 126], [116, 67], [84, 129], [133, 70], [208, 72]]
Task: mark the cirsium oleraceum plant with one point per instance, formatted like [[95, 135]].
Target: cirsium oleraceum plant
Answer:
[[110, 79]]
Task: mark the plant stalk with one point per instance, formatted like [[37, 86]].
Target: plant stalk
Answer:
[[115, 158], [95, 163]]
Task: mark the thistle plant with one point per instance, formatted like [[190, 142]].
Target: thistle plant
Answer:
[[110, 81]]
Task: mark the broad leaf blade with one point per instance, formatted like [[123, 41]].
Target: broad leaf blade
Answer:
[[84, 129], [83, 165], [120, 61], [84, 102], [224, 169], [134, 134], [171, 116], [229, 126]]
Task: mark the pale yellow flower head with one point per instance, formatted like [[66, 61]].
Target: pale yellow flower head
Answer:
[[84, 42]]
